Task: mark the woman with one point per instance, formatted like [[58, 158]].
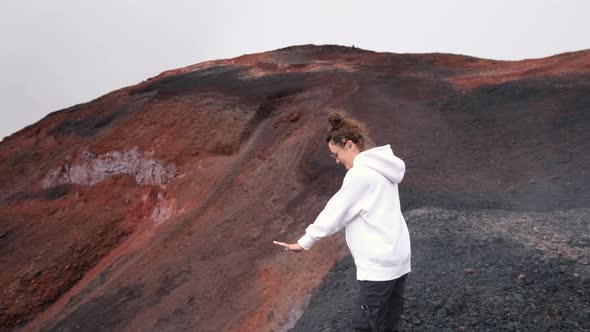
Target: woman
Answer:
[[368, 206]]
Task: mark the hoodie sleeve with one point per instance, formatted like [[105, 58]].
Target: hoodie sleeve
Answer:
[[338, 211]]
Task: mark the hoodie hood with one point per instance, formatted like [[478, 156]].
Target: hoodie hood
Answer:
[[382, 160]]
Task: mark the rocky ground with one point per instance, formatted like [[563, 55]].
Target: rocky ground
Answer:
[[480, 270], [154, 207]]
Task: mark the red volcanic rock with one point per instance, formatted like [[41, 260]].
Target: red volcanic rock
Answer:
[[154, 207]]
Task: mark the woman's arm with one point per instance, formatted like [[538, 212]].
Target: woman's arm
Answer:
[[336, 214], [289, 247]]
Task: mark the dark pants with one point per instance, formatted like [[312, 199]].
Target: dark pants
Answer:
[[379, 305]]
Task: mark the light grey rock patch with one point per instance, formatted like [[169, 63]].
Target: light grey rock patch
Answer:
[[91, 169]]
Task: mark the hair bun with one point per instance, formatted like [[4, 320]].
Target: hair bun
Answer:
[[336, 120]]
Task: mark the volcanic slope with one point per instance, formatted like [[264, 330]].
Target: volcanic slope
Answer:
[[154, 207]]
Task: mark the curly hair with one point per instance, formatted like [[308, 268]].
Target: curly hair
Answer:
[[342, 129]]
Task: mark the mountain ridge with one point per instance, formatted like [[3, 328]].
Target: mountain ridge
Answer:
[[240, 142]]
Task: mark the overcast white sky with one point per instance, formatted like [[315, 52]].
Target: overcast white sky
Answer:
[[59, 53]]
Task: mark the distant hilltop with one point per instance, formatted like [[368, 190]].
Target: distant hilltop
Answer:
[[154, 207]]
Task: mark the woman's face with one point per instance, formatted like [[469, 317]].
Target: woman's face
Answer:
[[344, 154]]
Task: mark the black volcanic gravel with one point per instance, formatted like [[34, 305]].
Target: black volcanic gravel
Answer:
[[480, 270]]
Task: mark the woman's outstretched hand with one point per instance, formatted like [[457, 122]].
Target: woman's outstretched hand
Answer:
[[288, 247]]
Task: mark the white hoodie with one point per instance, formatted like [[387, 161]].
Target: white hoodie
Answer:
[[368, 206]]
